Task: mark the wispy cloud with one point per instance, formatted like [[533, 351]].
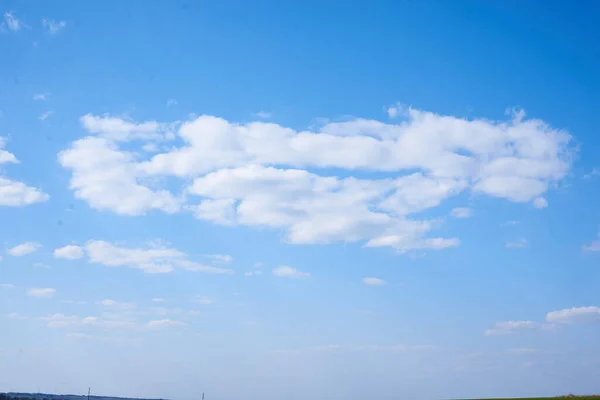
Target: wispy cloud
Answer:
[[263, 114], [41, 96], [45, 115], [462, 212], [285, 271], [593, 246], [24, 249], [11, 22], [517, 244], [53, 27], [373, 281], [41, 292], [171, 102]]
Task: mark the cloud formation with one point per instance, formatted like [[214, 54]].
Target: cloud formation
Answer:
[[285, 271], [262, 174], [69, 252], [24, 249], [14, 193]]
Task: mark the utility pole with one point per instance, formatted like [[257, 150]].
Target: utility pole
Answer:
[[202, 395], [89, 390]]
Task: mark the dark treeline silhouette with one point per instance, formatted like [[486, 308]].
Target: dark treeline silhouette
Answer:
[[45, 396]]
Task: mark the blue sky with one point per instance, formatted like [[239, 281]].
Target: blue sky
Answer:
[[292, 199]]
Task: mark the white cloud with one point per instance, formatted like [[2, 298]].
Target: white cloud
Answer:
[[41, 96], [7, 286], [575, 315], [204, 300], [594, 172], [220, 258], [116, 304], [69, 252], [41, 292], [394, 110], [540, 202], [163, 323], [53, 27], [285, 271], [263, 114], [13, 193], [66, 321], [158, 300], [256, 174], [46, 115], [171, 102], [155, 259], [24, 249], [593, 246], [253, 273], [16, 316], [517, 244], [107, 178], [373, 281], [11, 22], [462, 212], [510, 327]]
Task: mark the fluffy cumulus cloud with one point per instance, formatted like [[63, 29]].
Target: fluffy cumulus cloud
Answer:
[[575, 315], [23, 249], [285, 271], [69, 252], [154, 258], [360, 180], [14, 193]]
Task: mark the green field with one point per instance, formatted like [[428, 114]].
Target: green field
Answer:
[[595, 397]]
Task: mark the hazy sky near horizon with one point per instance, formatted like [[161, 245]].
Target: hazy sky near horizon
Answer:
[[386, 200]]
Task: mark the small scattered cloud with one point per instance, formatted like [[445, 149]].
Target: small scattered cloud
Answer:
[[158, 300], [45, 115], [53, 27], [220, 258], [510, 327], [285, 271], [462, 212], [540, 202], [171, 102], [516, 244], [109, 303], [7, 286], [16, 316], [11, 22], [575, 315], [24, 249], [164, 323], [593, 173], [204, 300], [394, 110], [41, 96], [593, 246], [263, 114], [69, 252], [253, 273], [511, 223], [157, 258], [373, 281], [41, 292]]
